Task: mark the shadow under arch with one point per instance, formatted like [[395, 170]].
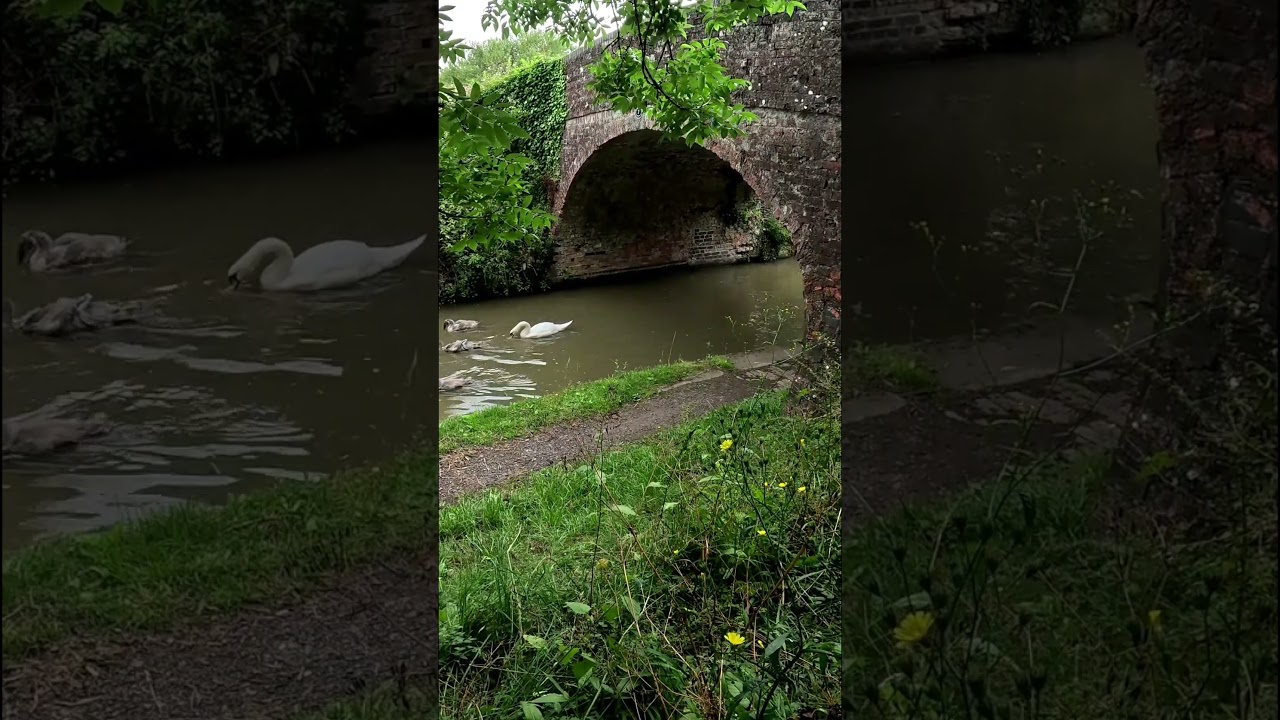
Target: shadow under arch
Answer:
[[643, 202]]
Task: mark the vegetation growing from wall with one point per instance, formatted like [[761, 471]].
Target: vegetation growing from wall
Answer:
[[1047, 23], [773, 239], [535, 97], [178, 79]]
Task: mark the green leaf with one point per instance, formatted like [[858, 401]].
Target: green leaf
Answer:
[[631, 606], [535, 641], [551, 698], [775, 645], [578, 608], [624, 509], [531, 711], [669, 505]]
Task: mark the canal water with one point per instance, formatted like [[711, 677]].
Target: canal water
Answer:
[[229, 391], [617, 326], [995, 154]]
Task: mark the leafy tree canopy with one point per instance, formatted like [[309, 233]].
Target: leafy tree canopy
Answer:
[[650, 66], [678, 83], [496, 58]]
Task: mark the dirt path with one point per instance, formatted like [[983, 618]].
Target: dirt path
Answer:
[[366, 628], [897, 450], [467, 470]]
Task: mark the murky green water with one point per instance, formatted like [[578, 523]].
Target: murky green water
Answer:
[[238, 389], [943, 143], [627, 324]]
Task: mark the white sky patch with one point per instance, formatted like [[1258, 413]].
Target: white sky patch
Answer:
[[465, 22]]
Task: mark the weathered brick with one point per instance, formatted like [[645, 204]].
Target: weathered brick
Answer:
[[401, 37], [790, 159]]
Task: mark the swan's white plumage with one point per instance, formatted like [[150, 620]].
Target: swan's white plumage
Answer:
[[541, 330], [327, 265]]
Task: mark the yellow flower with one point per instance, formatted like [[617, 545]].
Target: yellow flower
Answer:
[[675, 552], [802, 488], [734, 638], [725, 445], [802, 442], [602, 564], [913, 628], [1153, 618], [782, 484], [761, 532]]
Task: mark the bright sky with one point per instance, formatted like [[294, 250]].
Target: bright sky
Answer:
[[466, 16]]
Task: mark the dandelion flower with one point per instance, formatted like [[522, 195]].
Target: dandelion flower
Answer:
[[802, 488], [602, 564], [1153, 619], [725, 445], [675, 552], [761, 532], [782, 484], [801, 442], [734, 638], [913, 629]]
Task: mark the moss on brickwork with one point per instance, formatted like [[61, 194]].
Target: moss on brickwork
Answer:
[[535, 94]]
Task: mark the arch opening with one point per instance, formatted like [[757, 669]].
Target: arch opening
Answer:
[[641, 202]]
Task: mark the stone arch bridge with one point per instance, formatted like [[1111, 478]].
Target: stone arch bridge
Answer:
[[629, 200]]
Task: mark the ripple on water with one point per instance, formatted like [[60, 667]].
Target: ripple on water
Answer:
[[146, 461], [142, 353]]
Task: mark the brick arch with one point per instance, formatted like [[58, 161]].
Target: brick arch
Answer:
[[790, 156]]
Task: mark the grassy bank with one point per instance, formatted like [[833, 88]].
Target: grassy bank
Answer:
[[581, 401], [1049, 597], [888, 368], [684, 576], [193, 561]]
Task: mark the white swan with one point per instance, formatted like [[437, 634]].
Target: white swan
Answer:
[[327, 265], [453, 383], [541, 330], [40, 252]]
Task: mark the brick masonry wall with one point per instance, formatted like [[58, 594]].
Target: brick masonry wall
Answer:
[[920, 28], [1213, 68], [790, 156], [401, 39]]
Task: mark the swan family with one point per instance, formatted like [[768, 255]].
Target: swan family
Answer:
[[522, 330], [269, 263]]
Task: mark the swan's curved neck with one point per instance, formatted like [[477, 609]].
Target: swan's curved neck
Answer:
[[281, 261]]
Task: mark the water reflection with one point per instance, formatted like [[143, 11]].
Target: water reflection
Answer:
[[222, 391], [628, 324]]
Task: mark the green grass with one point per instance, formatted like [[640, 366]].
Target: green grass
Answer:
[[608, 590], [193, 561], [390, 701], [1031, 583], [582, 401], [883, 367]]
